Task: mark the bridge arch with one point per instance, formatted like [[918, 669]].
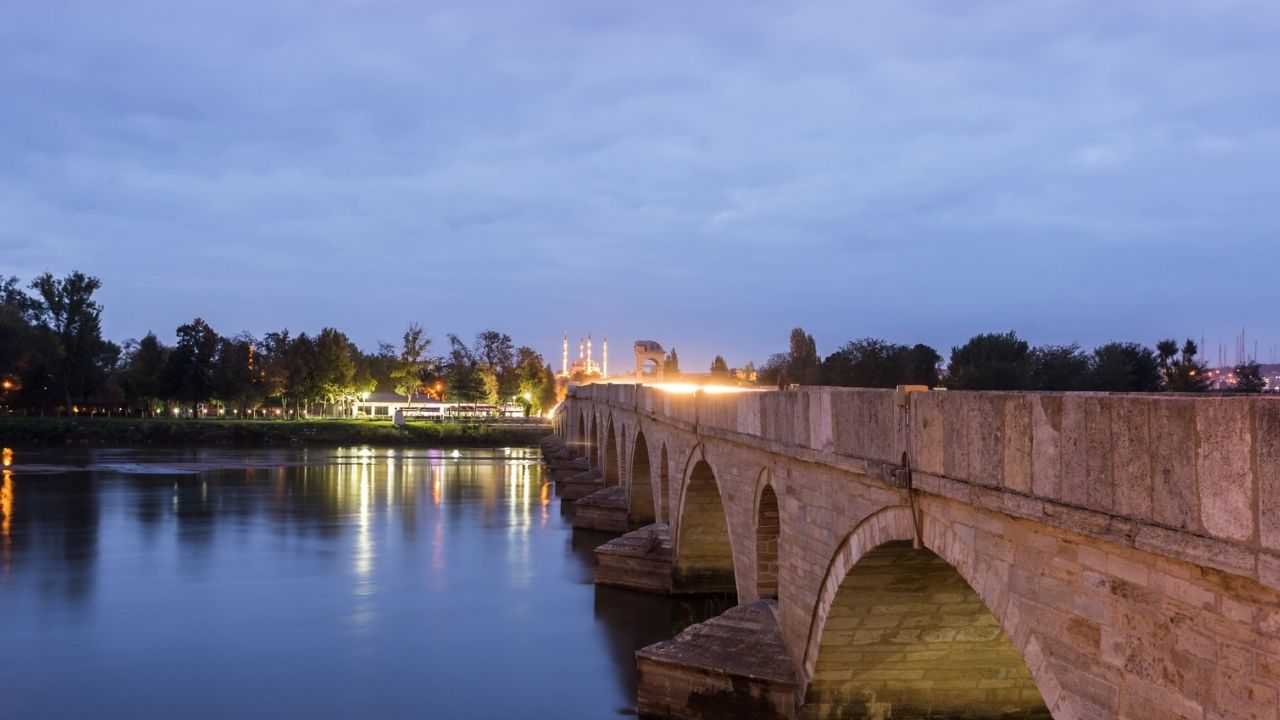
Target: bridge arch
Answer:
[[640, 505], [703, 546], [664, 486], [593, 440], [582, 436], [768, 536], [876, 561], [611, 464]]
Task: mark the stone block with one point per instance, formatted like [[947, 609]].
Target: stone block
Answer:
[[1017, 443], [1131, 456], [1046, 431], [927, 421], [1224, 464], [1174, 497], [1073, 476], [1268, 442], [1097, 454]]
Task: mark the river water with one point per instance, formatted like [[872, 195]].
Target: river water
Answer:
[[337, 583]]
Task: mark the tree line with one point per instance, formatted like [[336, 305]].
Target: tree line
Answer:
[[53, 358], [1003, 361]]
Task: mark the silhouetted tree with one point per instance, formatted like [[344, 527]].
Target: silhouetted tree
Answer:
[[1124, 367], [774, 368], [671, 366], [143, 373], [991, 361], [1059, 367], [875, 363], [1182, 372], [190, 370], [67, 310], [719, 368], [803, 364], [1249, 378]]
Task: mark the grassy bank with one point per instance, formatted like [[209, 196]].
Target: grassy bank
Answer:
[[29, 431]]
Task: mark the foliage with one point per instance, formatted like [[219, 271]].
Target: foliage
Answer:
[[1124, 367], [1182, 372], [671, 365], [1059, 367], [991, 361], [719, 368], [66, 309], [803, 364], [413, 351], [874, 363], [1249, 378]]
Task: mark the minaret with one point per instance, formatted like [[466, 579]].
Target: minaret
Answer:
[[582, 351], [590, 356], [564, 354], [604, 359]]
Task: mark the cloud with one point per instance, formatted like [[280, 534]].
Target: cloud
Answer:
[[644, 169]]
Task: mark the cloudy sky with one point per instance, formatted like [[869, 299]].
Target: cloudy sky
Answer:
[[705, 174]]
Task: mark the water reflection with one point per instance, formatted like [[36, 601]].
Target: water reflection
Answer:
[[428, 582]]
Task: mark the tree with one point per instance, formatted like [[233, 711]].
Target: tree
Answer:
[[532, 380], [335, 367], [495, 351], [719, 368], [408, 376], [463, 380], [1249, 378], [143, 374], [1182, 373], [803, 364], [1059, 367], [991, 361], [774, 370], [67, 310], [671, 366], [190, 371], [1124, 367]]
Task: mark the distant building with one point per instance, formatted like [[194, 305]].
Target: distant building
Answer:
[[585, 365]]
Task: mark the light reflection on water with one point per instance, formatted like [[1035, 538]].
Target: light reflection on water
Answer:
[[291, 582]]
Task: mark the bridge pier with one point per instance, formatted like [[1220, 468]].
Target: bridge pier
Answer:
[[579, 485], [604, 510], [640, 560], [732, 666]]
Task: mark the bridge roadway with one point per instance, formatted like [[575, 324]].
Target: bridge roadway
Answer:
[[951, 554]]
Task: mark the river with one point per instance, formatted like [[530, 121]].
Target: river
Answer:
[[335, 583]]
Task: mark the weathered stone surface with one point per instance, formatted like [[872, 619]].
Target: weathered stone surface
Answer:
[[604, 510], [732, 666], [639, 560], [1268, 437], [1224, 464], [579, 485]]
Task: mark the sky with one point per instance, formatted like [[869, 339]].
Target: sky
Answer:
[[707, 175]]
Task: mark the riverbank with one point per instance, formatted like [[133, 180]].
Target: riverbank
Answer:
[[38, 431]]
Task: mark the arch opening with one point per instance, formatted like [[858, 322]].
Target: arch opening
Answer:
[[907, 637], [704, 554], [640, 509], [582, 439], [610, 457], [593, 443], [664, 486], [768, 532]]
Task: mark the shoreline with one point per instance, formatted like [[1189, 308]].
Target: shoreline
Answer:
[[123, 432]]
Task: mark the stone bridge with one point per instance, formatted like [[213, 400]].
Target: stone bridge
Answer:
[[950, 554]]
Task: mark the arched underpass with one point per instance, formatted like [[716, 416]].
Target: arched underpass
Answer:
[[640, 510], [767, 531], [907, 637], [610, 457], [704, 555]]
